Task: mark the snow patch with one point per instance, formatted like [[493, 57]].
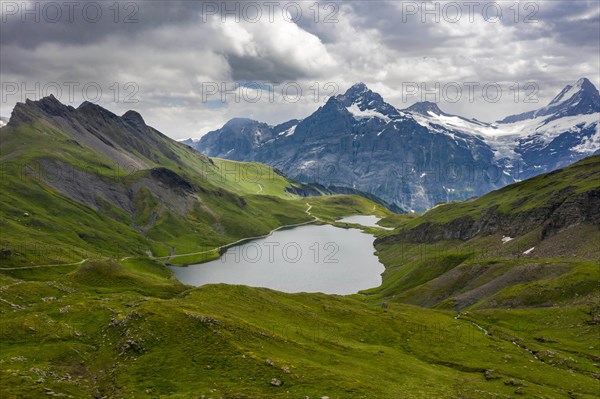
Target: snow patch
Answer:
[[528, 127], [359, 114], [528, 251], [506, 239], [565, 96], [589, 144], [306, 164], [288, 132]]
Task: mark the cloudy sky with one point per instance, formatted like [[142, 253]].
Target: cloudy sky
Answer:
[[189, 66]]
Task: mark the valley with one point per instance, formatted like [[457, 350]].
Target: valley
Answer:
[[299, 199]]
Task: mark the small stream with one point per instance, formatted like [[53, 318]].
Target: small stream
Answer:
[[486, 332]]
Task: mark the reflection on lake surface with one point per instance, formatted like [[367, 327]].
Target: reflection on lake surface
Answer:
[[364, 220], [308, 258]]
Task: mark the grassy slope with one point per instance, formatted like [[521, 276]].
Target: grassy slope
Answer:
[[106, 329], [549, 296], [58, 229], [485, 271]]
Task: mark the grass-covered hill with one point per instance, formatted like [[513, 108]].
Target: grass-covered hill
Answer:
[[533, 243], [108, 330], [86, 183], [462, 315]]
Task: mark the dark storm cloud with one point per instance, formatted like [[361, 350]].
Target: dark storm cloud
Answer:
[[582, 32], [399, 28], [80, 23], [263, 70], [569, 22]]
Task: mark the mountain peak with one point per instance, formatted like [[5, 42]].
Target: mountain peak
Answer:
[[582, 86], [360, 86], [239, 122], [586, 85], [93, 110], [579, 98], [85, 104], [134, 117], [48, 105], [425, 108], [358, 91], [360, 99]]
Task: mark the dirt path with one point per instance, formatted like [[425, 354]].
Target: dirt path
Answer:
[[36, 266]]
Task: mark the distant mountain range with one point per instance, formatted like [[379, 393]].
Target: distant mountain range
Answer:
[[418, 156]]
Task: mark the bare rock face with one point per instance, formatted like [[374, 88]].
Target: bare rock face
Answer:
[[581, 208], [561, 212], [171, 179]]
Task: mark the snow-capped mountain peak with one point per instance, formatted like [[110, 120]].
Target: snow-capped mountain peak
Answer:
[[360, 94], [582, 85], [363, 103], [579, 98], [357, 89]]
